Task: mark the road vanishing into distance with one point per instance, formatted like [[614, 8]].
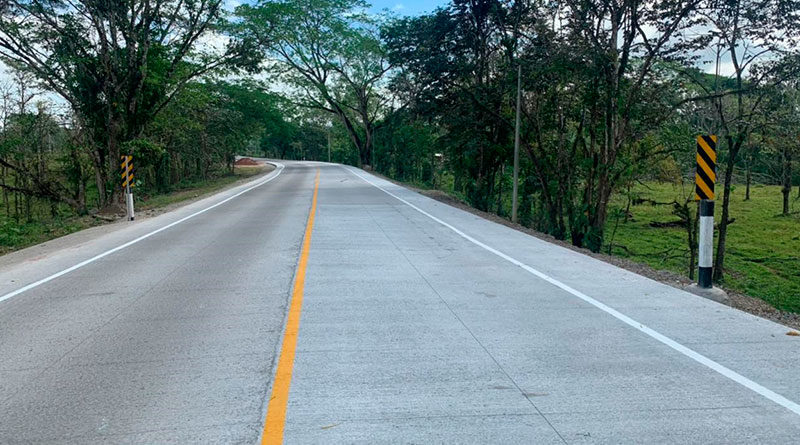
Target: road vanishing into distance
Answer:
[[321, 304]]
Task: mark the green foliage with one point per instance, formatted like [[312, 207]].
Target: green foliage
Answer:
[[406, 149], [763, 251], [16, 234], [117, 64], [454, 76], [202, 129], [612, 95], [328, 57], [146, 153]]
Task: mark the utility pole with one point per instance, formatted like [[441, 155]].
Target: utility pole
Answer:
[[329, 145], [514, 204]]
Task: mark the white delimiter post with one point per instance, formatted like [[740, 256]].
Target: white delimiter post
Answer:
[[129, 201], [706, 244]]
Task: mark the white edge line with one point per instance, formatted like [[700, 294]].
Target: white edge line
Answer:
[[694, 355], [30, 286]]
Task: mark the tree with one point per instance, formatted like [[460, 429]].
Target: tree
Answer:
[[199, 133], [328, 54], [28, 141], [783, 122], [454, 71], [622, 41], [117, 64], [750, 34], [589, 69]]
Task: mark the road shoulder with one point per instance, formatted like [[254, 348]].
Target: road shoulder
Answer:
[[89, 234], [737, 300]]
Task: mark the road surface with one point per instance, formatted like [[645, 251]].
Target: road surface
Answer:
[[410, 321]]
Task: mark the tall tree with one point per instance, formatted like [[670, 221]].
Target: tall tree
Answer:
[[623, 41], [454, 69], [329, 57], [782, 123], [116, 63], [751, 35]]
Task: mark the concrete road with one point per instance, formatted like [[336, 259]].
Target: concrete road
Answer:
[[410, 321]]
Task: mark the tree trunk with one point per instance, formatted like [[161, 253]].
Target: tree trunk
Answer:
[[5, 192], [366, 155], [79, 181], [363, 147], [500, 191], [16, 198], [81, 197], [748, 180], [28, 213], [597, 220], [786, 178], [719, 263], [599, 212], [99, 177], [691, 235]]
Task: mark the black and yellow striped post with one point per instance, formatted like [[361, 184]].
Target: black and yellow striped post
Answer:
[[126, 174], [705, 178]]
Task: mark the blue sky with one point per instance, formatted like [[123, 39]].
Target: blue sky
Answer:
[[407, 7]]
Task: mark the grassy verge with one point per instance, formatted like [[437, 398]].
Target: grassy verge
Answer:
[[19, 234], [763, 253], [15, 235], [198, 188]]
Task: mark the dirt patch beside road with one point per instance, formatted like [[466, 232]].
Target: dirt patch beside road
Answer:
[[246, 161]]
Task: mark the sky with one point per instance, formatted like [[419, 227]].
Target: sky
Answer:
[[407, 7]]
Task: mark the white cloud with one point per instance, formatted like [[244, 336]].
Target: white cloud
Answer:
[[230, 5], [213, 42]]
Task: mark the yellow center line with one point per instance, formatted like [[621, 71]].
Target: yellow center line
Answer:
[[276, 409]]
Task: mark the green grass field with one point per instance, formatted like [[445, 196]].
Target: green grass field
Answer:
[[763, 253], [15, 235]]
